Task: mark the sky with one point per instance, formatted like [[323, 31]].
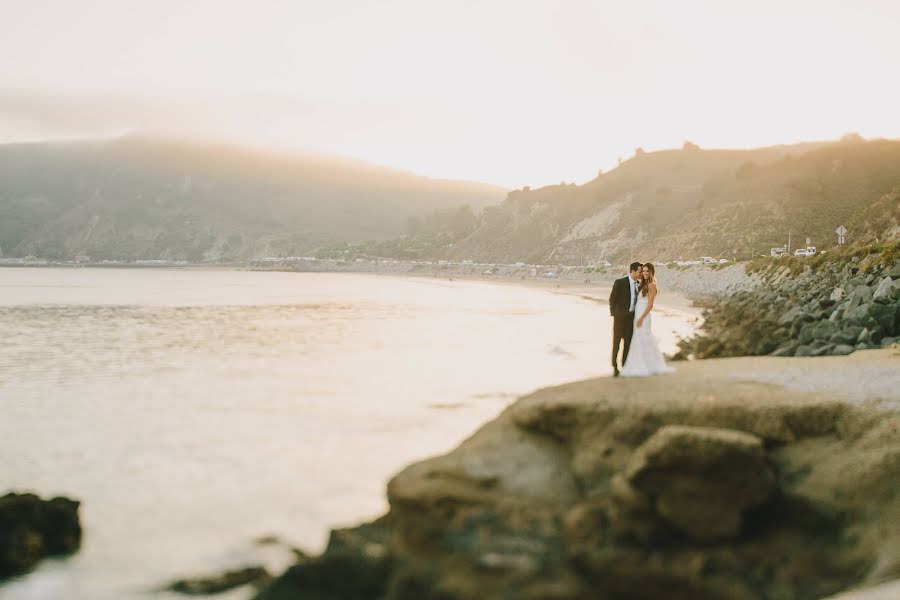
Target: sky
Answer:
[[510, 92]]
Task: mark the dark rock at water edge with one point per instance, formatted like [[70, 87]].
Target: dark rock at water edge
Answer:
[[355, 565], [32, 528], [214, 584]]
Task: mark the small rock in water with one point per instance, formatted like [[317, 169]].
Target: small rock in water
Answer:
[[31, 529], [267, 540], [215, 584]]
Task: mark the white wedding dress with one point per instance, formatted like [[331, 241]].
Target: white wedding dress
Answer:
[[644, 358]]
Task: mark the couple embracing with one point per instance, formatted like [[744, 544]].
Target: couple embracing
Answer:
[[630, 303]]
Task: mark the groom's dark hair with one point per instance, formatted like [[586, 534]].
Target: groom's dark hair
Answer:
[[635, 266]]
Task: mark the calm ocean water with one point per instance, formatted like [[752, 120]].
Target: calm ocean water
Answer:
[[193, 411]]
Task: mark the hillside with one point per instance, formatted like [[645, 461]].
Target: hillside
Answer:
[[140, 198], [686, 203]]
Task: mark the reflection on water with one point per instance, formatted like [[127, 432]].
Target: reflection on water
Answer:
[[193, 411]]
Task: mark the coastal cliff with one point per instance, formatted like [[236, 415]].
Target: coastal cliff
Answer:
[[732, 478]]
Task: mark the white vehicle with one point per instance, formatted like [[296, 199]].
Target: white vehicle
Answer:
[[810, 250], [800, 252], [723, 261], [778, 251], [708, 260]]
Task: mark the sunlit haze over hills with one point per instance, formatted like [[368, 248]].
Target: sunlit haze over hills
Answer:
[[511, 93]]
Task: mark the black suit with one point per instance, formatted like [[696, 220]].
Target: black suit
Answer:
[[622, 312]]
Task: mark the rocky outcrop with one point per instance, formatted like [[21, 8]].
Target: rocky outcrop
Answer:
[[831, 308], [731, 479], [31, 528]]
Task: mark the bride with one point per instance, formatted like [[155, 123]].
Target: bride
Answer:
[[644, 357]]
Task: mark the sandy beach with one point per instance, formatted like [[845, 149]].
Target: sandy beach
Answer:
[[669, 302]]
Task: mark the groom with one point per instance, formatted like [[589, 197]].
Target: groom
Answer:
[[621, 306]]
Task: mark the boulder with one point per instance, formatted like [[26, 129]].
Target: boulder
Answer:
[[864, 336], [824, 329], [807, 333], [860, 295], [837, 295], [854, 283], [884, 315], [884, 290], [859, 316], [843, 338], [786, 349], [848, 335], [823, 350], [804, 350], [790, 316], [702, 479], [894, 273], [32, 528], [842, 349]]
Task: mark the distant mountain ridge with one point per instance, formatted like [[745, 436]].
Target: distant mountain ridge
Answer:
[[692, 202], [139, 197], [143, 198]]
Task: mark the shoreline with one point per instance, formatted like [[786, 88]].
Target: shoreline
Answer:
[[670, 303], [699, 283], [594, 289]]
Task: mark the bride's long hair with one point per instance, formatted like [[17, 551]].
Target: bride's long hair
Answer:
[[645, 282]]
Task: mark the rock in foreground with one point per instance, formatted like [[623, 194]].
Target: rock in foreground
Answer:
[[31, 528], [731, 479]]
